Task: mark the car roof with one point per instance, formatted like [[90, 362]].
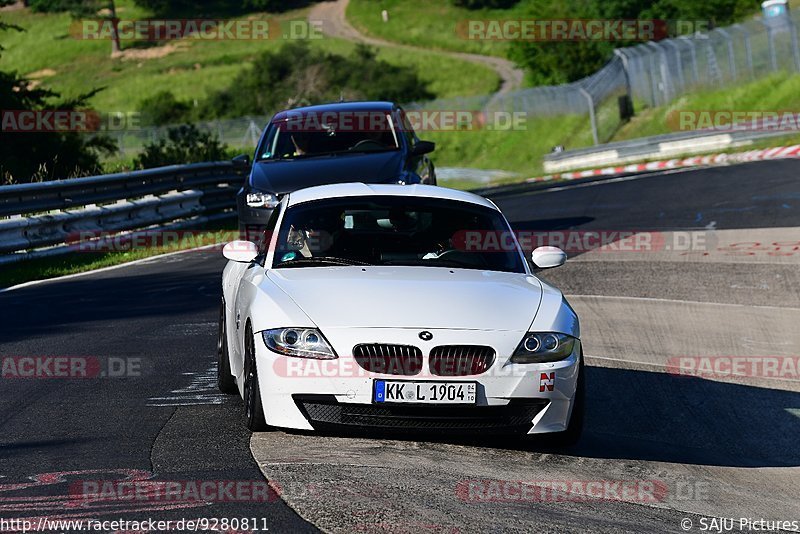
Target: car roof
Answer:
[[358, 189], [337, 107]]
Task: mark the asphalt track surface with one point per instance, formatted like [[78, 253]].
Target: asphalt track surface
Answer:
[[713, 447]]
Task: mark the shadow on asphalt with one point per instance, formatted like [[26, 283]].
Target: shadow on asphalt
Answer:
[[638, 415], [53, 308], [642, 415]]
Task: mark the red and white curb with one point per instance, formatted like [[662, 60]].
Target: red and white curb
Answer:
[[716, 159]]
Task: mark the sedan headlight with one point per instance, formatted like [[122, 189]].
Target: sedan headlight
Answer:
[[298, 342], [543, 347], [260, 199]]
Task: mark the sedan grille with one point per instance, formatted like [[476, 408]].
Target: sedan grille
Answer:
[[461, 360], [389, 359]]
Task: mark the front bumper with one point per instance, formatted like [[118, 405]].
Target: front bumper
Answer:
[[324, 412], [317, 394]]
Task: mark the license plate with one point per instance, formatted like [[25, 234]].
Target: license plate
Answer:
[[410, 392]]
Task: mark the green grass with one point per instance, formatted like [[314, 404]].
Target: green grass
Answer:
[[428, 24], [512, 150], [191, 72], [780, 91], [78, 262], [523, 151]]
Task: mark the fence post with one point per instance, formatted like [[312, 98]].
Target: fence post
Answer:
[[626, 71], [678, 62], [731, 59], [592, 118], [664, 70], [715, 74], [653, 83], [795, 50], [693, 53], [773, 59], [748, 49]]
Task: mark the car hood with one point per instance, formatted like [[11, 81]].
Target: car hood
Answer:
[[285, 176], [412, 297]]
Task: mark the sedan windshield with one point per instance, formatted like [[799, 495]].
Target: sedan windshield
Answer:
[[308, 135], [396, 230]]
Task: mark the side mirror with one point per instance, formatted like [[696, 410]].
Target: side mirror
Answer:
[[423, 147], [241, 251], [548, 257], [242, 160]]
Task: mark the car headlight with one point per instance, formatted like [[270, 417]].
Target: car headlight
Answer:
[[542, 347], [260, 199], [298, 342]]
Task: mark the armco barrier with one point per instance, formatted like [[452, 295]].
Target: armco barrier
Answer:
[[654, 147], [38, 215]]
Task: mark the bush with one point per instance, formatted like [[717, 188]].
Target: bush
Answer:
[[163, 108], [299, 75], [184, 144]]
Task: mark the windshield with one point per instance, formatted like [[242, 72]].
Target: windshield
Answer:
[[393, 230], [308, 135]]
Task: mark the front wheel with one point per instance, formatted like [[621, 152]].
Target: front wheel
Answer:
[[254, 410], [225, 380]]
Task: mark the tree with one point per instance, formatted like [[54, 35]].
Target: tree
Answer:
[[163, 109], [299, 75], [554, 62], [184, 144], [44, 154]]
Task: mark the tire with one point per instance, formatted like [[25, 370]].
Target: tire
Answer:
[[254, 411], [572, 434], [225, 381]]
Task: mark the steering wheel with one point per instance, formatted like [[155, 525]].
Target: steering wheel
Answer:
[[372, 143]]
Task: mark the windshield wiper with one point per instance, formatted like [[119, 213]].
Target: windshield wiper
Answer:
[[321, 260]]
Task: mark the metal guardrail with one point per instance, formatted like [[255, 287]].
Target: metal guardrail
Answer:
[[42, 219], [653, 147]]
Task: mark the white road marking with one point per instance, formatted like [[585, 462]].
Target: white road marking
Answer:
[[202, 390], [655, 299]]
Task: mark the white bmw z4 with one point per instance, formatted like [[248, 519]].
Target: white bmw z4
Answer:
[[393, 307]]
